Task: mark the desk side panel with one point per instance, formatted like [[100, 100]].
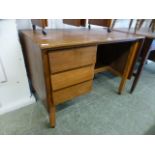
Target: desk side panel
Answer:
[[34, 64]]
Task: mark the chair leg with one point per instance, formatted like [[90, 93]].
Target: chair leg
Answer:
[[130, 24], [145, 54], [34, 27], [136, 26], [43, 31], [141, 23], [137, 76], [113, 23], [89, 27], [153, 25]]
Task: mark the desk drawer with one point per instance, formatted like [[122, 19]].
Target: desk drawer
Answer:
[[71, 92], [62, 60], [72, 77]]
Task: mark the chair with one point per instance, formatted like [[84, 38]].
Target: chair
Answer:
[[100, 22], [115, 20], [75, 22], [41, 23], [152, 25], [139, 23]]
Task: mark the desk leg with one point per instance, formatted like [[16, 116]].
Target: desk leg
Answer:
[[145, 54], [51, 107], [52, 116], [128, 66], [122, 85]]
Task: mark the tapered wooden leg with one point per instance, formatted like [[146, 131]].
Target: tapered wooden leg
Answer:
[[51, 107], [131, 57], [122, 85], [52, 116]]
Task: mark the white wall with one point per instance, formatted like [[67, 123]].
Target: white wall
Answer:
[[52, 23], [3, 77], [15, 92]]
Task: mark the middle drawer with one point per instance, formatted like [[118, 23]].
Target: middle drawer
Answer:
[[72, 77]]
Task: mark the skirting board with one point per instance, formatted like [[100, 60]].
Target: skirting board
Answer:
[[17, 105]]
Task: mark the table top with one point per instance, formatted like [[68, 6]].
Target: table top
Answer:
[[143, 32], [60, 38]]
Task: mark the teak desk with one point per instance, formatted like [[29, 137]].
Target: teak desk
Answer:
[[145, 52], [61, 65]]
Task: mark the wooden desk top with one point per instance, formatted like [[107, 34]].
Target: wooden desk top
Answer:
[[143, 32], [63, 38]]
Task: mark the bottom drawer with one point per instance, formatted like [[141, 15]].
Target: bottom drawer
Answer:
[[71, 92]]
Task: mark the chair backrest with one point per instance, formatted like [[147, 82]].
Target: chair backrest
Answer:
[[139, 23], [100, 22], [75, 22], [41, 23], [115, 20]]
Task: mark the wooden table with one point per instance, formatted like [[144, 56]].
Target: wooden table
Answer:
[[61, 64], [145, 52]]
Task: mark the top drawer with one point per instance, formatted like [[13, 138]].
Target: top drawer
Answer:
[[62, 60]]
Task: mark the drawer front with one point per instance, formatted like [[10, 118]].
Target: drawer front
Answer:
[[71, 58], [72, 77], [68, 93]]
